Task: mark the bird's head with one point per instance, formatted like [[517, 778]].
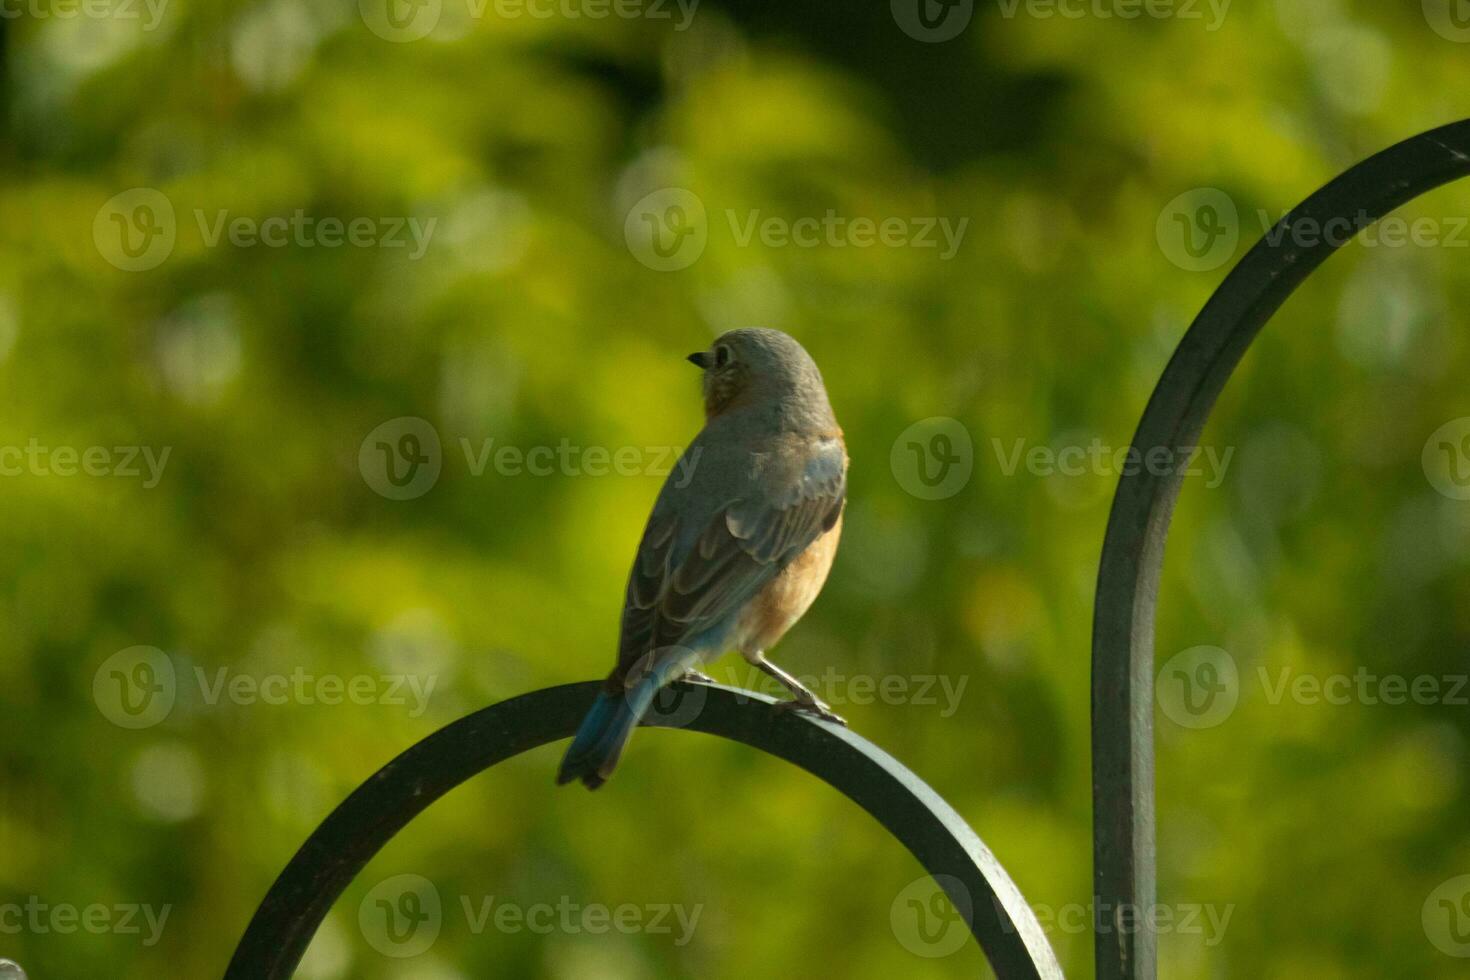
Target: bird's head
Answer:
[[754, 366]]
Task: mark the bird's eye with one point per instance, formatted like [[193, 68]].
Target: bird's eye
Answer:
[[722, 356]]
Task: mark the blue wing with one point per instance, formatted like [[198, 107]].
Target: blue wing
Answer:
[[704, 556]]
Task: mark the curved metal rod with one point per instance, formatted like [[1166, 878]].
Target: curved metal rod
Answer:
[[1133, 550], [294, 907]]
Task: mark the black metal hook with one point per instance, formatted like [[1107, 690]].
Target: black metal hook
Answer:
[[1133, 549], [293, 909]]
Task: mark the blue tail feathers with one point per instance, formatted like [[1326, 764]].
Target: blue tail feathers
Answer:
[[600, 739]]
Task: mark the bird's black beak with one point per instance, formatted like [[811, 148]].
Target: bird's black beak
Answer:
[[699, 359]]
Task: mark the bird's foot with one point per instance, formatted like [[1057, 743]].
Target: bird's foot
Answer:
[[815, 707], [697, 677]]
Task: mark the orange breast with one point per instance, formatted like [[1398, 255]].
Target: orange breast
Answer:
[[788, 596]]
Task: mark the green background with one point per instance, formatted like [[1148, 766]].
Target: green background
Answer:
[[529, 319]]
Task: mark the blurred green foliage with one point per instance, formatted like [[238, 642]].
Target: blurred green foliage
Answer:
[[263, 550]]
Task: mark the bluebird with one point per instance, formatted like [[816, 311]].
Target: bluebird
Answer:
[[736, 549]]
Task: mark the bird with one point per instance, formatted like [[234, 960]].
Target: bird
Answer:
[[738, 545]]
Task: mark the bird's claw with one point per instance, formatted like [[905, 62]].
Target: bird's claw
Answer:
[[697, 677], [815, 708]]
